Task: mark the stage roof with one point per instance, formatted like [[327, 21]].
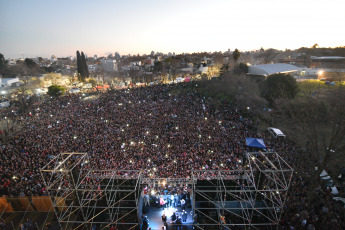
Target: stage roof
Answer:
[[269, 69]]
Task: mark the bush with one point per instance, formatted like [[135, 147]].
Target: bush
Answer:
[[56, 90], [279, 86]]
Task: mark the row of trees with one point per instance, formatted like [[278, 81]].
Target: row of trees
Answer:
[[83, 71]]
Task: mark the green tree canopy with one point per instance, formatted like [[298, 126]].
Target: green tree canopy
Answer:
[[236, 55], [56, 90], [30, 63], [2, 62], [279, 86]]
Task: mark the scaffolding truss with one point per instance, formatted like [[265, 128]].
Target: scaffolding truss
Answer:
[[250, 197], [83, 197]]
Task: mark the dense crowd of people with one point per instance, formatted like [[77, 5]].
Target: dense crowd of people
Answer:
[[167, 134]]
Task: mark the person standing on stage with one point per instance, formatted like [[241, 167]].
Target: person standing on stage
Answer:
[[184, 216], [183, 204], [172, 198], [164, 219]]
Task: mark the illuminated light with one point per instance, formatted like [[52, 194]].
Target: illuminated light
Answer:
[[320, 72], [60, 162], [277, 192], [199, 136], [129, 102], [3, 92], [12, 111], [59, 187], [209, 137], [120, 104], [248, 108], [86, 162], [122, 130], [157, 137], [220, 122], [174, 161], [106, 121], [58, 122], [5, 118], [74, 137], [154, 169], [239, 161], [169, 94], [123, 143], [150, 114], [166, 155], [68, 103], [176, 128], [168, 146], [147, 132], [203, 167], [152, 192], [83, 94], [60, 169], [14, 177], [130, 161], [127, 125], [205, 118], [101, 118], [38, 109], [51, 115], [132, 143], [163, 182], [149, 160], [221, 164]]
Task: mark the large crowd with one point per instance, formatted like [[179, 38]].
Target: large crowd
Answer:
[[165, 133]]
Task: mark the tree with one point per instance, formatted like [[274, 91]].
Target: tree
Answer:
[[279, 86], [236, 55], [24, 101], [158, 67], [268, 55], [223, 70], [9, 128], [56, 90], [3, 63], [315, 46], [82, 66], [319, 122], [30, 63], [242, 67]]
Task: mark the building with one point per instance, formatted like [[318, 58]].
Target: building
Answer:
[[109, 65], [8, 82], [268, 69]]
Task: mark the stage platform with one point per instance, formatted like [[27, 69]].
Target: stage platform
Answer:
[[155, 218]]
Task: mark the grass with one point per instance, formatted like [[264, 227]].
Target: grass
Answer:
[[312, 87]]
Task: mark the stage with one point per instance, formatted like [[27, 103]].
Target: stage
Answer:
[[154, 213]]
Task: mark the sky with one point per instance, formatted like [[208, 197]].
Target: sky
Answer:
[[32, 28]]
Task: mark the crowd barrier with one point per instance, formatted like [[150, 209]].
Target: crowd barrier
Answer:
[[30, 204]]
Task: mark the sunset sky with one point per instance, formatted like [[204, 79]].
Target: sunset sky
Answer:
[[34, 28]]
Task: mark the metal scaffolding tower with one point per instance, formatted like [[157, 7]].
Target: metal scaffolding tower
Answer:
[[250, 198], [83, 197]]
